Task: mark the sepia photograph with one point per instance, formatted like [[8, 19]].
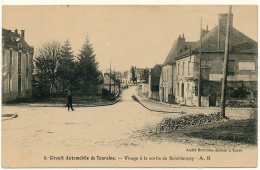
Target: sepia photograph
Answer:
[[129, 86]]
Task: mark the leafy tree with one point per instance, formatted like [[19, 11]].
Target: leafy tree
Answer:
[[146, 75], [89, 77], [66, 70], [46, 62]]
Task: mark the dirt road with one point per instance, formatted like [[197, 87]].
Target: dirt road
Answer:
[[39, 134]]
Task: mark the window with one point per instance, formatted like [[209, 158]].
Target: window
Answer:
[[19, 62], [196, 90], [167, 75], [10, 82], [20, 46], [178, 89], [27, 70], [188, 89], [27, 83], [183, 68], [162, 75], [188, 68], [206, 63], [182, 90], [27, 60], [165, 72], [178, 68], [231, 66], [11, 58]]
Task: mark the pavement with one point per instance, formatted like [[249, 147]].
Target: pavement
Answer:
[[82, 104], [232, 113], [116, 130]]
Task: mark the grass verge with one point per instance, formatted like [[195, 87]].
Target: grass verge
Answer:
[[241, 131]]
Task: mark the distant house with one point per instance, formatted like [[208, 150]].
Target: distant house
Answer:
[[17, 65], [242, 67], [124, 80], [114, 86], [139, 73]]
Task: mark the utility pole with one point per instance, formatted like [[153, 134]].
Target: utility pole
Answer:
[[150, 84], [224, 81], [173, 98], [199, 78], [110, 77], [114, 82], [190, 53]]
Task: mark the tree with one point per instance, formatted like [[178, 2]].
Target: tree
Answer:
[[89, 77], [146, 75], [66, 70], [46, 63], [133, 74]]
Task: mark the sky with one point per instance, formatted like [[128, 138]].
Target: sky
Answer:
[[140, 36]]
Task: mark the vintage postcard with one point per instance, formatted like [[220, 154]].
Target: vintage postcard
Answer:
[[129, 86]]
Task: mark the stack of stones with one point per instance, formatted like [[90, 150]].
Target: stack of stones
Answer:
[[170, 124]]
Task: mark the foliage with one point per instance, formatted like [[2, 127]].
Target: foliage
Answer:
[[241, 93], [46, 63], [146, 75], [89, 77], [66, 70], [56, 71], [133, 74]]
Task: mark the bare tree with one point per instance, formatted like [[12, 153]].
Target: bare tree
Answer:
[[46, 64]]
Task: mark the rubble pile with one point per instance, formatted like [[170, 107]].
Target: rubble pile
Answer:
[[253, 115], [170, 124]]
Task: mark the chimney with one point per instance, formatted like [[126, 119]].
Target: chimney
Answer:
[[181, 38], [222, 28], [222, 20], [204, 31], [22, 34]]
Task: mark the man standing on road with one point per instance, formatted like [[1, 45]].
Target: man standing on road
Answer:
[[69, 103]]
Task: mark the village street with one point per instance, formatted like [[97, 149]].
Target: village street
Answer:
[[107, 130]]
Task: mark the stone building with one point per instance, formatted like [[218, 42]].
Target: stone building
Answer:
[[139, 75], [111, 83], [17, 65], [242, 68], [168, 82]]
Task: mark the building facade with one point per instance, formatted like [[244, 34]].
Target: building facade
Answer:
[[242, 68], [168, 79], [17, 65], [166, 84], [110, 84]]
